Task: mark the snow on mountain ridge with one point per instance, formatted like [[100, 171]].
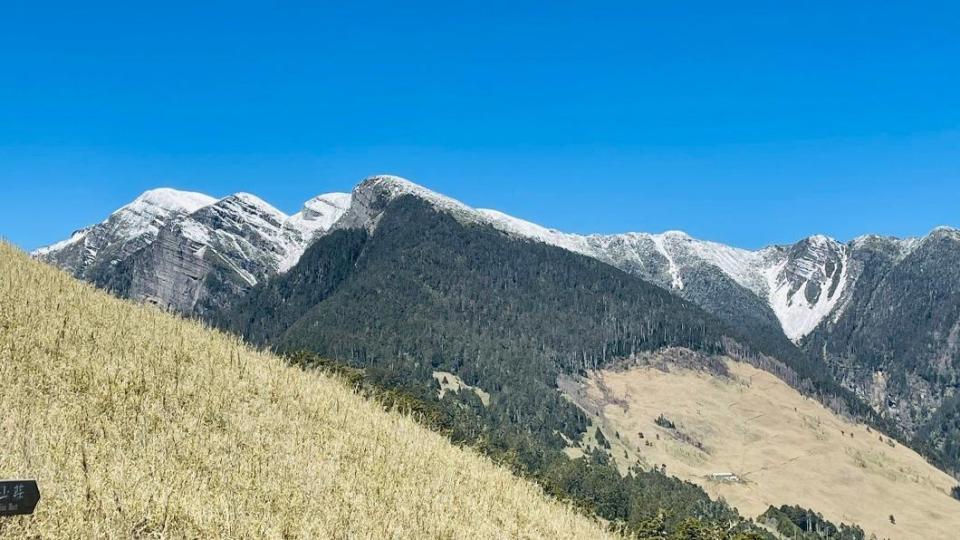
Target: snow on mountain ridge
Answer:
[[739, 264], [256, 202], [533, 231], [148, 213], [57, 246], [258, 229], [320, 213], [801, 283], [172, 199], [396, 186], [134, 224], [239, 216], [675, 281]]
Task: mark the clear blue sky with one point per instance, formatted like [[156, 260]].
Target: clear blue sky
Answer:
[[747, 123]]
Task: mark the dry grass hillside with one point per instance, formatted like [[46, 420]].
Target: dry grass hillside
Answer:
[[781, 447], [139, 424]]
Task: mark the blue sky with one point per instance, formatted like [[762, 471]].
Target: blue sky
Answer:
[[747, 123]]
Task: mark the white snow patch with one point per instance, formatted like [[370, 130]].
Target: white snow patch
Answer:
[[74, 238], [526, 229], [172, 199], [741, 265], [320, 213], [797, 316], [195, 231], [658, 240], [150, 211], [300, 230], [247, 276]]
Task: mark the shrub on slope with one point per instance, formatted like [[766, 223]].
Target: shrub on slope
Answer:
[[136, 423]]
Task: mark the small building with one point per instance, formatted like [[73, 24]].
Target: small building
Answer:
[[728, 477]]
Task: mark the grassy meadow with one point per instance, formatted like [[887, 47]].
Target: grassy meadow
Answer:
[[783, 447], [137, 423]]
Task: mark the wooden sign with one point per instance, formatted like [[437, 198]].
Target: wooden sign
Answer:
[[18, 497]]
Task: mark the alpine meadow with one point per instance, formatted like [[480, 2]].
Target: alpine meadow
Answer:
[[139, 424]]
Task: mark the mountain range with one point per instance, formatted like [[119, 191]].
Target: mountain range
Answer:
[[877, 316], [794, 287]]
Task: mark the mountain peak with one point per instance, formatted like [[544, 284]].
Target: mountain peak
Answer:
[[945, 231], [392, 187], [821, 240], [374, 193], [674, 235], [149, 212], [172, 199], [130, 227], [392, 180]]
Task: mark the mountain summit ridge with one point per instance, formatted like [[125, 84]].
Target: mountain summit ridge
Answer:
[[800, 284]]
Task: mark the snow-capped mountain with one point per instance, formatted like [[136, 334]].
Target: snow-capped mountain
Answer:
[[187, 251], [793, 287], [128, 229]]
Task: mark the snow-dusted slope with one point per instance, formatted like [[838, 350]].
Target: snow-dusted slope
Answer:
[[805, 283], [372, 195], [246, 232], [801, 284], [145, 215], [170, 247], [794, 287], [319, 214], [526, 229], [126, 230]]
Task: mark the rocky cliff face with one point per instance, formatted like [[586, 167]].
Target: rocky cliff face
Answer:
[[170, 272], [894, 338], [191, 253], [91, 252], [202, 260]]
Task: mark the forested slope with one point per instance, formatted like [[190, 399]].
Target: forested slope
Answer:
[[897, 340], [427, 292]]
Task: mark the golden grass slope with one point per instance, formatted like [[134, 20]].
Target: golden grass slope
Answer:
[[140, 424], [787, 449]]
